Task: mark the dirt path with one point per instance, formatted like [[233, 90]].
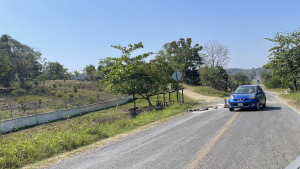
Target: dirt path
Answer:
[[190, 92]]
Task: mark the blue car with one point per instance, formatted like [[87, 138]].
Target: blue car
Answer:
[[247, 97]]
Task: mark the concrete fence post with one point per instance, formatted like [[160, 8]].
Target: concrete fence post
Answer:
[[35, 107], [12, 117]]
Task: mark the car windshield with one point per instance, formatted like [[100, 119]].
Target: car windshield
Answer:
[[245, 90]]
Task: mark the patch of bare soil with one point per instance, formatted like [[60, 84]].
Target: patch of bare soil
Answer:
[[190, 92]]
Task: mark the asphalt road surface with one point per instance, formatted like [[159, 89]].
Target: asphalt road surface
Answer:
[[268, 138]]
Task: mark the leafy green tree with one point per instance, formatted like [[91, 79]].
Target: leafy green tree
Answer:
[[54, 78], [76, 73], [90, 71], [23, 59], [285, 57], [182, 52], [131, 75], [6, 72], [55, 69], [242, 79], [207, 76], [103, 64]]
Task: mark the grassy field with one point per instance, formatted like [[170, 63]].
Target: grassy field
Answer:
[[293, 98], [50, 90], [203, 90], [41, 142], [52, 96]]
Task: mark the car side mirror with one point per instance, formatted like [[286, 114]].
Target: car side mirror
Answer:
[[260, 92], [231, 92]]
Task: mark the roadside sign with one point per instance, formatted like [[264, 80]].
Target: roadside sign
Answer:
[[176, 76]]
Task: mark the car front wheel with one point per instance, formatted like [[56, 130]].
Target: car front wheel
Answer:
[[265, 105], [257, 106]]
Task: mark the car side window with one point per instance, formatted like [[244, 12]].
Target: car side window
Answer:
[[259, 89]]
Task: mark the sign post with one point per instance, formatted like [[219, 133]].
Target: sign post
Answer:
[[176, 76]]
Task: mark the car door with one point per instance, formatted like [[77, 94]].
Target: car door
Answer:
[[263, 95], [260, 95]]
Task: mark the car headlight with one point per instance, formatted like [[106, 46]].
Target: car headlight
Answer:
[[231, 97], [252, 97]]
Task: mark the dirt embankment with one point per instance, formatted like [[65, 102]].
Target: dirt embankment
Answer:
[[190, 92]]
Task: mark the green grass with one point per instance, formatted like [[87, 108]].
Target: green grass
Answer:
[[203, 90], [278, 90], [41, 142], [294, 97]]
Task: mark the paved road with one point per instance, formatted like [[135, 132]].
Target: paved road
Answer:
[[269, 138]]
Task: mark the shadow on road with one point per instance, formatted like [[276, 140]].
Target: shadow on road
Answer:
[[261, 109]]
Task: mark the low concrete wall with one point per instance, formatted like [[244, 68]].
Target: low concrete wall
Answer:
[[9, 125], [46, 117]]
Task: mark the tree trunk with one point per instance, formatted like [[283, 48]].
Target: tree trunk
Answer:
[[134, 105], [208, 89], [22, 80], [295, 84], [281, 88], [149, 102]]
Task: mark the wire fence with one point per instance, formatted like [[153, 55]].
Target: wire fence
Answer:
[[12, 111]]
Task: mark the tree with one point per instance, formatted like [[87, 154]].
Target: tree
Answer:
[[134, 76], [216, 54], [284, 59], [6, 72], [23, 59], [55, 69], [183, 53], [76, 73], [207, 76], [90, 71], [103, 64], [242, 79], [69, 75]]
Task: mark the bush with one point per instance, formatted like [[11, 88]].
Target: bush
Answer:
[[36, 83], [59, 94], [275, 82], [90, 100], [54, 86], [40, 102], [28, 86]]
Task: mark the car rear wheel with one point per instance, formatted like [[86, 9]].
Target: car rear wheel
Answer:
[[231, 109]]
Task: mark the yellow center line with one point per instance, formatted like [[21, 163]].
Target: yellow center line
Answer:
[[196, 162]]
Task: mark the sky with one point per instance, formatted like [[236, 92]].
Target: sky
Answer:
[[78, 33]]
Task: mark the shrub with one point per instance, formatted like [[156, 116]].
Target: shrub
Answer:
[[71, 95], [22, 105], [40, 102], [90, 100], [54, 86], [36, 83], [28, 86], [59, 94], [13, 93], [75, 89]]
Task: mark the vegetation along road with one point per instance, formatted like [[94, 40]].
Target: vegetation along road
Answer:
[[268, 138]]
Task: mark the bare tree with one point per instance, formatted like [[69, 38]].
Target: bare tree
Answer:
[[216, 54]]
